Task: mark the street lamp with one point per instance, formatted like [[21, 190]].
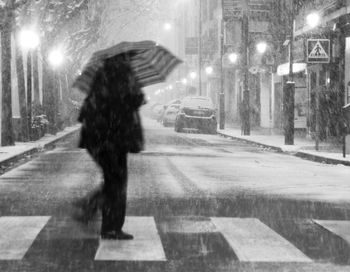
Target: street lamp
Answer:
[[261, 47], [167, 26], [29, 40], [209, 70], [184, 81], [56, 58], [193, 75], [233, 57], [313, 19]]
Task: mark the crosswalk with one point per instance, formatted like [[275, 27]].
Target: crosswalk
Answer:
[[17, 235], [146, 245], [249, 238], [253, 241]]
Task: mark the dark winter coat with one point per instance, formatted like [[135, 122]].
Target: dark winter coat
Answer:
[[109, 114]]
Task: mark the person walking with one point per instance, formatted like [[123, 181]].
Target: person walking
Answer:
[[111, 128], [111, 125]]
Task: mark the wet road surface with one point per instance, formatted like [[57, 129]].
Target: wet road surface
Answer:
[[195, 203]]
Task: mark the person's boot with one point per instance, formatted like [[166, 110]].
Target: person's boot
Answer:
[[116, 235], [85, 209]]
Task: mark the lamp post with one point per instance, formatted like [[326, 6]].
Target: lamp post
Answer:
[[222, 92], [200, 47], [193, 76], [313, 20], [289, 90], [56, 59], [29, 40], [245, 111]]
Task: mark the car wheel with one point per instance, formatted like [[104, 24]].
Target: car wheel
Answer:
[[178, 127], [212, 129]]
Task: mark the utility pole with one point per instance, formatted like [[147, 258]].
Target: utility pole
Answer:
[[200, 47], [222, 92], [289, 90], [245, 111], [29, 93]]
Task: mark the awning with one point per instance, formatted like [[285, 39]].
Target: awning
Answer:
[[283, 69]]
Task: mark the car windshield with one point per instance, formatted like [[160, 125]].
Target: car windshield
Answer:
[[197, 102], [174, 102]]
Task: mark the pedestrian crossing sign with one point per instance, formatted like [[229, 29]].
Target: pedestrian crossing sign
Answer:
[[318, 50]]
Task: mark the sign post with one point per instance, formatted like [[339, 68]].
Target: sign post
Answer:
[[318, 51]]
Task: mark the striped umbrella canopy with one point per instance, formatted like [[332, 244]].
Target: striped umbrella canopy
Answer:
[[150, 62]]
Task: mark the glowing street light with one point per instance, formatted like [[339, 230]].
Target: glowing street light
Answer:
[[261, 47], [56, 57], [193, 75], [28, 39], [313, 19], [167, 26], [184, 81], [233, 57], [209, 70]]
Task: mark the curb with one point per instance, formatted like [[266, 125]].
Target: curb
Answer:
[[320, 159], [299, 154], [53, 142], [275, 148], [7, 162], [49, 145]]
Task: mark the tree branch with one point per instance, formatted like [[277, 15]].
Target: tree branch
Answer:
[[19, 3]]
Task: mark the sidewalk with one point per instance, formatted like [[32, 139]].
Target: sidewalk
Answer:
[[303, 147], [11, 154]]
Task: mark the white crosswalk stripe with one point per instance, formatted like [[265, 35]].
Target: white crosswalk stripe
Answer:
[[253, 241], [146, 245], [18, 233], [340, 228], [250, 239]]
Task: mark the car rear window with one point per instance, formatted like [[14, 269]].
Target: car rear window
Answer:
[[202, 102]]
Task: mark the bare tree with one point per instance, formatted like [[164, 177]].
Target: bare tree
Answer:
[[7, 12]]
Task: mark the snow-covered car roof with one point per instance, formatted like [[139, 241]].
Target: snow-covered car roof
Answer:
[[174, 101], [197, 102]]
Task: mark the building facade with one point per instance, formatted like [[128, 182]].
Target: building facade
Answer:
[[321, 84]]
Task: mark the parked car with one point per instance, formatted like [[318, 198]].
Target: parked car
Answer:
[[169, 115], [172, 102], [196, 112], [157, 112]]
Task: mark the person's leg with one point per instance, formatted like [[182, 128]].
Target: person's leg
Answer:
[[120, 192], [115, 192], [88, 206], [107, 207]]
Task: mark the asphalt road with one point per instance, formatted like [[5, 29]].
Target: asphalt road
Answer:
[[195, 202]]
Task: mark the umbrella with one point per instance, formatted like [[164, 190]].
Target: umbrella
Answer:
[[150, 62]]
